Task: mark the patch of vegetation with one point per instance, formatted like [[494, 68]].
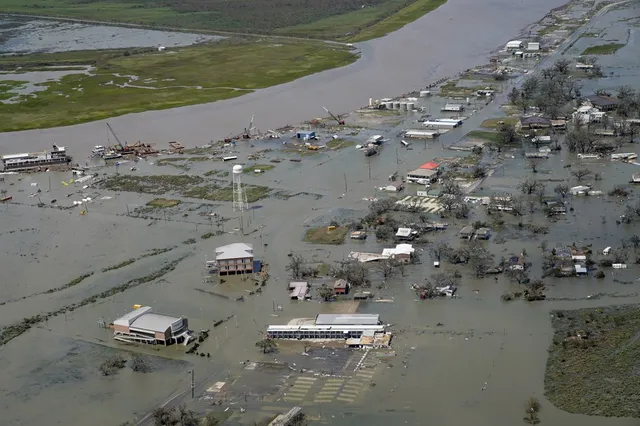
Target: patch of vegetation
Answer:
[[592, 366], [322, 19], [603, 49], [189, 241], [111, 365], [251, 169], [156, 252], [549, 29], [208, 235], [173, 162], [217, 173], [119, 265], [337, 144], [163, 202], [216, 193], [325, 235], [71, 283], [590, 35], [233, 68], [154, 184], [399, 19], [494, 123], [484, 135]]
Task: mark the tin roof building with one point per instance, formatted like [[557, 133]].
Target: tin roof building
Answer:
[[142, 325]]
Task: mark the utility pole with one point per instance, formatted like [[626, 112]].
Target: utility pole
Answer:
[[127, 205], [369, 166], [345, 184], [398, 159], [49, 183], [193, 385]]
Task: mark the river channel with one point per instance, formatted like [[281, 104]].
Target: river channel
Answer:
[[456, 36]]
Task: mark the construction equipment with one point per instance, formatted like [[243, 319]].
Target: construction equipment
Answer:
[[119, 147], [251, 128], [340, 121]]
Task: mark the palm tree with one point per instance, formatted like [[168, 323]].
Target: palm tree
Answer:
[[532, 407], [266, 344]]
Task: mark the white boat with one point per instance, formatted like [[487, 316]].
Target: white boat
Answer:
[[111, 155], [98, 151]]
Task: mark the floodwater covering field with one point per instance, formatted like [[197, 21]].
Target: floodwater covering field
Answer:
[[472, 359], [38, 36]]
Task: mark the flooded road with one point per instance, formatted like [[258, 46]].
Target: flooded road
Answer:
[[456, 36]]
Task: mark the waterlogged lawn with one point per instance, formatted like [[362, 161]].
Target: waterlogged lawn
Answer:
[[159, 80]]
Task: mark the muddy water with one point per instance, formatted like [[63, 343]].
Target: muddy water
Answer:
[[31, 36], [479, 366], [456, 36]]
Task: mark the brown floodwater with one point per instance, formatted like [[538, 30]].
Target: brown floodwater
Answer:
[[479, 366]]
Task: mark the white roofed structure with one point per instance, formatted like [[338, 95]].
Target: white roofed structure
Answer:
[[234, 251]]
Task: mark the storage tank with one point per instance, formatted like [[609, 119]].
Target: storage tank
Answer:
[[403, 106], [410, 106], [425, 93], [396, 105], [388, 105]]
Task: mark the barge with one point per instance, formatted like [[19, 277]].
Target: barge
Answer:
[[31, 160]]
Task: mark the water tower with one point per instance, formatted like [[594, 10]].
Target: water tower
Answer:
[[239, 194]]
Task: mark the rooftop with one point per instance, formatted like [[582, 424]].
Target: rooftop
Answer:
[[234, 251], [599, 100], [430, 165], [347, 319], [403, 232], [154, 322], [144, 319], [422, 172]]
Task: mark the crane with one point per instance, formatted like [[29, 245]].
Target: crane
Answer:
[[247, 131], [340, 122], [122, 147]]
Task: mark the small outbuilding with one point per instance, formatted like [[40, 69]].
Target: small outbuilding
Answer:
[[535, 122], [603, 103], [453, 108], [341, 287], [467, 232], [514, 45], [483, 233]]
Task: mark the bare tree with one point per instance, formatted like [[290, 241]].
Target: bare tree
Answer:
[[562, 66], [533, 163], [448, 203], [356, 273], [540, 193], [528, 186], [139, 364], [439, 250], [581, 174], [325, 292], [562, 190], [296, 263], [515, 96], [507, 135], [450, 187], [386, 267], [479, 259]]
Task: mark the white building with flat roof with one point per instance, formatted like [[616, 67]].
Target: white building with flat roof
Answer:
[[142, 325], [234, 259], [329, 326]]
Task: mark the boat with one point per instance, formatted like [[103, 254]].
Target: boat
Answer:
[[111, 155], [98, 151], [30, 160]]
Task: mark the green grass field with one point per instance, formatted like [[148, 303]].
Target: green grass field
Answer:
[[233, 68], [352, 20], [603, 49]]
